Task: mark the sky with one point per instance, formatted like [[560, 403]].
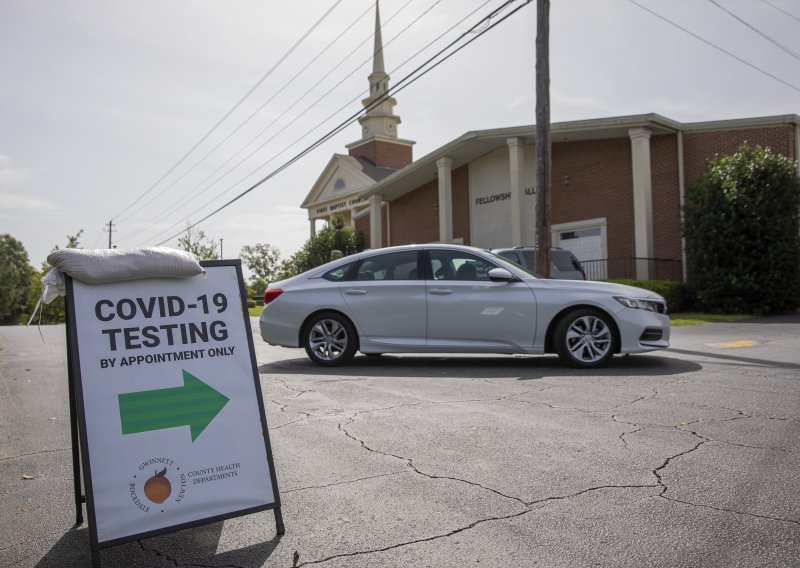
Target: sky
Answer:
[[154, 113]]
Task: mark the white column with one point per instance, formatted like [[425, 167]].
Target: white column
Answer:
[[445, 172], [375, 221], [312, 225], [642, 199], [516, 163]]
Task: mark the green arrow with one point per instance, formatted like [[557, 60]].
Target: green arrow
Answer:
[[195, 404]]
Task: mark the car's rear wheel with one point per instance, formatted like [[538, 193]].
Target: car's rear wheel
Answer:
[[585, 338], [330, 340]]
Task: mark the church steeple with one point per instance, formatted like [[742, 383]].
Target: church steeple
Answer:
[[379, 142], [377, 58], [380, 120]]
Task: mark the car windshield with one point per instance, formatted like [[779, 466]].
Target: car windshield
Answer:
[[506, 262]]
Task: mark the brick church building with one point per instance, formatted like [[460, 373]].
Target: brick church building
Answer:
[[617, 183]]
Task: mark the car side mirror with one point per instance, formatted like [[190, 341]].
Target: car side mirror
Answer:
[[501, 275]]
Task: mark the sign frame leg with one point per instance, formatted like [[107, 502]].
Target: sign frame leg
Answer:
[[73, 423]]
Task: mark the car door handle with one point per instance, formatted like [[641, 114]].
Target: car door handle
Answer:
[[355, 292], [441, 291]]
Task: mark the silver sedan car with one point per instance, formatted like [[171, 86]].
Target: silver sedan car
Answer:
[[437, 298]]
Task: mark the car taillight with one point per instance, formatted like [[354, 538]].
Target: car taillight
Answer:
[[270, 295]]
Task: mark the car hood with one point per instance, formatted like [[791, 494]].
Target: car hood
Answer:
[[610, 288]]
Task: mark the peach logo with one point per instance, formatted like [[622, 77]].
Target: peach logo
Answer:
[[158, 488], [158, 485]]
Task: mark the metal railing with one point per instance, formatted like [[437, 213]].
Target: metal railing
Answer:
[[629, 267]]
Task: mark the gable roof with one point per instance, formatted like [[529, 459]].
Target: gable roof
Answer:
[[359, 171]]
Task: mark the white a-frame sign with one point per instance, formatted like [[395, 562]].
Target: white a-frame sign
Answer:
[[168, 404]]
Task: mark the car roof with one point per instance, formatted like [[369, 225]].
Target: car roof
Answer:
[[552, 249], [322, 269]]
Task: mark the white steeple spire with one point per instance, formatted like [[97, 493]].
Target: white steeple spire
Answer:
[[379, 120], [377, 60]]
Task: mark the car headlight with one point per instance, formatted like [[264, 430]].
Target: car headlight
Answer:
[[658, 306]]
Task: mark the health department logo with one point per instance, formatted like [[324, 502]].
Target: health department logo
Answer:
[[158, 485]]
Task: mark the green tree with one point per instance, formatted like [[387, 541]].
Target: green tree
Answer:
[[15, 275], [54, 311], [199, 244], [317, 250], [263, 261], [741, 230]]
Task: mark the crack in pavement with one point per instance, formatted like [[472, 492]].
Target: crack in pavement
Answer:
[[410, 464], [622, 436], [764, 448], [531, 505], [157, 553], [416, 541], [731, 511], [54, 450], [348, 482], [177, 564], [665, 488], [300, 392]]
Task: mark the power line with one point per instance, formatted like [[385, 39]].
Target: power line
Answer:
[[249, 118], [409, 80], [779, 9], [332, 115], [181, 201], [232, 109], [774, 42], [321, 123], [715, 46]]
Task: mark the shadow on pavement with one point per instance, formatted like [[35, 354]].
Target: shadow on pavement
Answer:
[[193, 546], [456, 366], [737, 359]]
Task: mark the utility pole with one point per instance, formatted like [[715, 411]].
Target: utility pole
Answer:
[[543, 162], [220, 249], [110, 229]]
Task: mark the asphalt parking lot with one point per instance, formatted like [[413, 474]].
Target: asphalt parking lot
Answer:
[[687, 457]]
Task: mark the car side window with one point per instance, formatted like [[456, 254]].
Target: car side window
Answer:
[[457, 265], [338, 274], [392, 266]]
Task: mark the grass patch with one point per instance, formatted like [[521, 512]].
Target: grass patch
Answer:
[[690, 318], [255, 312]]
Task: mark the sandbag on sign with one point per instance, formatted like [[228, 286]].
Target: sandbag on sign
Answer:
[[100, 266]]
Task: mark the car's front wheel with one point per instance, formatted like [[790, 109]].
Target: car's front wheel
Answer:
[[585, 338], [330, 340]]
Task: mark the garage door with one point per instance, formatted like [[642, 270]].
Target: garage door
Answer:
[[586, 244]]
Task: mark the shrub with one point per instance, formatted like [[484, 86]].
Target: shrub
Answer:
[[15, 276], [741, 229], [675, 293], [317, 250]]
